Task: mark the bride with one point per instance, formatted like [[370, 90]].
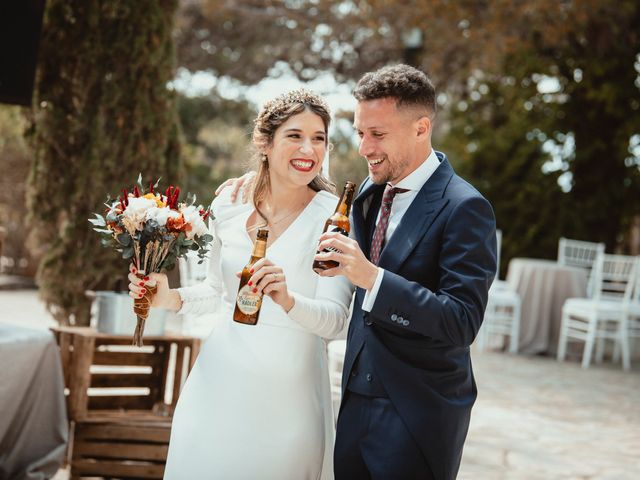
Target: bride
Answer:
[[257, 402]]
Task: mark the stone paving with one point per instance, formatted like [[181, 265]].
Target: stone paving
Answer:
[[535, 418]]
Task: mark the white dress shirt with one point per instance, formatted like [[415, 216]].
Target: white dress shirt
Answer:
[[413, 183]]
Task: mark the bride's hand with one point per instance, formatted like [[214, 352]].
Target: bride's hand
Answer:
[[270, 280], [236, 184], [138, 287]]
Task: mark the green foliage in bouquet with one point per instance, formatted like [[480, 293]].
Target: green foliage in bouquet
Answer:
[[153, 230]]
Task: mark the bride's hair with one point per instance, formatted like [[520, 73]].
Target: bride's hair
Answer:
[[273, 114]]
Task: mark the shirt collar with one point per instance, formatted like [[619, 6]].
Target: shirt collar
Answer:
[[416, 179]]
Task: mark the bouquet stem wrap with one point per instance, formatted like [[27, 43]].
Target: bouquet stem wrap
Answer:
[[141, 307]]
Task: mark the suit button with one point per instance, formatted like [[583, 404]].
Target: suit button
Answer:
[[394, 317], [368, 322], [369, 377], [353, 374], [400, 319], [405, 322]]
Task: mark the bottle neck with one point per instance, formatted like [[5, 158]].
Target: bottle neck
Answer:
[[344, 206], [259, 249]]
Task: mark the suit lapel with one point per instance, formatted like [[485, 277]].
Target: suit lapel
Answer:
[[418, 218]]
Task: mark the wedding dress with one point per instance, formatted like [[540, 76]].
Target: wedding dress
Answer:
[[257, 403]]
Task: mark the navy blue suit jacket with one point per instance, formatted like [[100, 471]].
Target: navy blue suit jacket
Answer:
[[439, 263]]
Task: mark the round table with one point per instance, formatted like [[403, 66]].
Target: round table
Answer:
[[543, 285]]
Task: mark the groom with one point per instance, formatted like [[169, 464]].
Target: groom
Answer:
[[423, 258]]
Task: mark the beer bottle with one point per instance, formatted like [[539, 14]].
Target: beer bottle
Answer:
[[338, 222], [248, 303]]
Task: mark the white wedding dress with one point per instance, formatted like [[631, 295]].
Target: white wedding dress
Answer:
[[257, 403]]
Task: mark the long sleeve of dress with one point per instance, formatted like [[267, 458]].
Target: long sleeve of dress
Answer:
[[204, 297], [326, 314]]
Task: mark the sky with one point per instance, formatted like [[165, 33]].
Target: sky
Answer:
[[279, 80]]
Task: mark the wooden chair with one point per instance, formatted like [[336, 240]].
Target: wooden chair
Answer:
[[121, 400]]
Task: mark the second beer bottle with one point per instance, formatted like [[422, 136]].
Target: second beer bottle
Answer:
[[338, 222], [248, 303]]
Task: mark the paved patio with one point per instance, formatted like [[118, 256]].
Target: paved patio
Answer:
[[535, 418]]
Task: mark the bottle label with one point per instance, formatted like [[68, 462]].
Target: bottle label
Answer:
[[248, 302]]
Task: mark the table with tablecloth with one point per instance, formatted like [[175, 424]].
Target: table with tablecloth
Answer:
[[543, 286], [33, 419]]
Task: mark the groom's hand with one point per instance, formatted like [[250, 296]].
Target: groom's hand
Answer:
[[353, 264], [236, 184]]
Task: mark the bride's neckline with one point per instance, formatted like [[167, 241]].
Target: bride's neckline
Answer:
[[283, 233]]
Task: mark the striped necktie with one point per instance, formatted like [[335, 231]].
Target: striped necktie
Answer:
[[381, 228]]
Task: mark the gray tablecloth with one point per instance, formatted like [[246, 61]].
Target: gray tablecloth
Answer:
[[33, 415], [543, 286]]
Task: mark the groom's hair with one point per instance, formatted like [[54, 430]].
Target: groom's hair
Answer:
[[408, 85]]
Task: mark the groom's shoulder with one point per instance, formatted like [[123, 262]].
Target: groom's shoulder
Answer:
[[460, 189]]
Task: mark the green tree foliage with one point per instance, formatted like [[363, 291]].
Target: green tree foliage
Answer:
[[570, 83], [217, 135], [589, 48], [15, 157], [103, 113], [492, 141]]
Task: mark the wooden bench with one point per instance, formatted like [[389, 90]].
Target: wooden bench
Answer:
[[120, 400]]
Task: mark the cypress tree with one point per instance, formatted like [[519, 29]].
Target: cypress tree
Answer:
[[104, 110]]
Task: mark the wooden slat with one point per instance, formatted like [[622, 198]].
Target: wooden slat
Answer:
[[80, 361], [117, 380], [195, 350], [126, 359], [117, 469], [177, 378], [119, 450], [166, 359], [64, 341], [115, 402], [132, 431]]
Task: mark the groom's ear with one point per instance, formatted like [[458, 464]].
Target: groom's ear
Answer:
[[423, 128]]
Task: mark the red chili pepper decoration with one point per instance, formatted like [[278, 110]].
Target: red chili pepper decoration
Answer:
[[150, 187], [176, 194], [167, 194], [126, 197], [136, 192]]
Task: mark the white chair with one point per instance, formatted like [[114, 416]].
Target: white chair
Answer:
[[602, 317], [581, 254], [631, 312], [502, 315], [497, 283]]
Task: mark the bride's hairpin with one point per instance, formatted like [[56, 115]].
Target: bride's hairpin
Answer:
[[299, 96]]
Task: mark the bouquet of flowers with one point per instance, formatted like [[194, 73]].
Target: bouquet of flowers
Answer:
[[152, 230]]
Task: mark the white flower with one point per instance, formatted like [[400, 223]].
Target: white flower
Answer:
[[137, 209], [192, 217], [160, 215]]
